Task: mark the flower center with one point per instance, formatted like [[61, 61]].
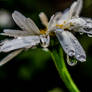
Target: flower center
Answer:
[[42, 31], [65, 25], [60, 26]]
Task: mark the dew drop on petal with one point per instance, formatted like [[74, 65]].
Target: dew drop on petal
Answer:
[[81, 58], [89, 35], [71, 61], [71, 53]]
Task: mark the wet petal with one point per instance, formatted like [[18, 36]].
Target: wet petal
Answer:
[[79, 51], [57, 16], [88, 26], [51, 24], [72, 10], [14, 33], [32, 26], [25, 23], [77, 22], [65, 17], [84, 30], [65, 42], [22, 42], [44, 19], [53, 21], [78, 7], [71, 45], [10, 56], [75, 8], [83, 25]]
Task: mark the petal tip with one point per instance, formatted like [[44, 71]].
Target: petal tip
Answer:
[[81, 58]]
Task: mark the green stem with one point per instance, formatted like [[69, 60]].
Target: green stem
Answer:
[[57, 56]]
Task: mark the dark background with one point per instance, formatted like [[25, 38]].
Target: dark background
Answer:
[[34, 70]]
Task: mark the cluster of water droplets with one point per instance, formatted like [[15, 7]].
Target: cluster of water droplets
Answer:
[[89, 35]]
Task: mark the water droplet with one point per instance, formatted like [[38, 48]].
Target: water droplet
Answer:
[[71, 61], [45, 49], [81, 58], [81, 33], [89, 35], [71, 53]]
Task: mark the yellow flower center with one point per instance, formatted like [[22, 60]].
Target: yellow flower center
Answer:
[[64, 25], [45, 31], [60, 26], [42, 31]]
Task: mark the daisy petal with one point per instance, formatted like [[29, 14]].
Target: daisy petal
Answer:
[[65, 42], [88, 26], [83, 25], [79, 51], [25, 23], [65, 17], [51, 24], [79, 7], [75, 8], [32, 26], [43, 19], [14, 33], [10, 56], [53, 21], [21, 42], [72, 10], [71, 45]]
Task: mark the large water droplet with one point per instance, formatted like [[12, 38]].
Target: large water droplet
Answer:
[[89, 35], [71, 61]]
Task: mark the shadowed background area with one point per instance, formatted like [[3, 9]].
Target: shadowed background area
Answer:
[[33, 70]]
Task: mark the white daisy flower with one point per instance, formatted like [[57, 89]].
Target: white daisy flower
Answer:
[[29, 37], [68, 22], [62, 24], [65, 23]]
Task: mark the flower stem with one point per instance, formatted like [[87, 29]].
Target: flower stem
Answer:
[[58, 59]]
